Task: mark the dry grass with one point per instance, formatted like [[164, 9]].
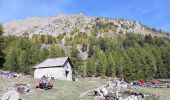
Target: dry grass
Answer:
[[65, 90], [163, 92], [62, 90]]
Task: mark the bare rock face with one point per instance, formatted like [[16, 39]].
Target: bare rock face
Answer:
[[66, 23], [51, 25]]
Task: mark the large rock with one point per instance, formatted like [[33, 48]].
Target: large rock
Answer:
[[11, 95]]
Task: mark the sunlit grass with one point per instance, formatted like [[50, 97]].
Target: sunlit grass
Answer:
[[62, 90]]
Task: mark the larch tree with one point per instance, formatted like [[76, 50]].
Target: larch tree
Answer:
[[90, 67], [110, 70]]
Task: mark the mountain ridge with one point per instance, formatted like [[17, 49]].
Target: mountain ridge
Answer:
[[63, 23]]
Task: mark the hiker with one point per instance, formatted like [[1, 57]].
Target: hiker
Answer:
[[155, 82], [142, 82], [44, 83], [131, 83], [44, 80]]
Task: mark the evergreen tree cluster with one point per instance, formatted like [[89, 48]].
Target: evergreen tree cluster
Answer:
[[22, 53], [130, 56]]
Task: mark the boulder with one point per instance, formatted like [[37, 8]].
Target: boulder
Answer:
[[11, 95]]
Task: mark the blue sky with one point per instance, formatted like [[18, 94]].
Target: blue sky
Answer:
[[154, 13]]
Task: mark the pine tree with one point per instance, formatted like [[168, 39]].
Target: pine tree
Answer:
[[166, 60], [43, 54], [90, 67], [128, 66], [102, 44], [40, 38], [11, 59], [77, 61], [137, 61], [34, 52], [110, 71], [46, 41], [118, 63], [151, 61], [101, 64], [56, 51], [149, 39], [52, 52], [159, 63], [34, 39], [22, 61]]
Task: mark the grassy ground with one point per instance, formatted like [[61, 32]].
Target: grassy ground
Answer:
[[65, 90], [62, 90], [163, 92]]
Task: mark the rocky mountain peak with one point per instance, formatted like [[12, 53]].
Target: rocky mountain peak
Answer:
[[63, 23]]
